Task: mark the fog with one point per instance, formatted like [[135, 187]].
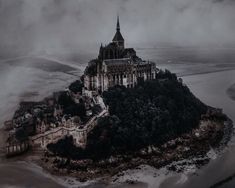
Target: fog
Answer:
[[48, 26], [76, 28]]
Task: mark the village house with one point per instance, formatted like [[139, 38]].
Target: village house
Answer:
[[68, 121]]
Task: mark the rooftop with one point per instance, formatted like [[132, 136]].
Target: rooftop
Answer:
[[118, 61]]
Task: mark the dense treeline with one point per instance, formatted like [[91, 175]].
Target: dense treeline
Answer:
[[70, 107], [66, 148], [76, 86], [150, 114]]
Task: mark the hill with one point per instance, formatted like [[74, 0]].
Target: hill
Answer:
[[151, 113]]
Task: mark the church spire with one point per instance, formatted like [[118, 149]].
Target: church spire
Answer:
[[118, 24], [118, 39]]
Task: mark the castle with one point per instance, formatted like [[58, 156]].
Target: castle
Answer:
[[117, 65]]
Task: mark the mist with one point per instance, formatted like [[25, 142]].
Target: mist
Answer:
[[56, 26]]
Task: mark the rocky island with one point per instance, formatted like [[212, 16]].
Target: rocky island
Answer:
[[122, 113]]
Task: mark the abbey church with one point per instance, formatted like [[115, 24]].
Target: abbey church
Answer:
[[117, 65]]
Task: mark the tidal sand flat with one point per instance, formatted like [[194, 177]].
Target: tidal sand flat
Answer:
[[231, 91], [23, 174]]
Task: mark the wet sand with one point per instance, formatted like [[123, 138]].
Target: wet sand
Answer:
[[27, 174], [231, 91]]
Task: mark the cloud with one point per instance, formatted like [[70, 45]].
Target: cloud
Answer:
[[54, 25]]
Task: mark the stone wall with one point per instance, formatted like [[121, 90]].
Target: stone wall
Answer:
[[79, 135], [17, 148]]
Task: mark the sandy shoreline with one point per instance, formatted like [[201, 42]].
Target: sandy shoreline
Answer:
[[124, 176], [111, 176]]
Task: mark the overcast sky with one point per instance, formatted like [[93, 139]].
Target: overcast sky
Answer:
[[37, 25]]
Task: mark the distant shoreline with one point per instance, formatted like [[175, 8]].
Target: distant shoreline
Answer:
[[206, 72]]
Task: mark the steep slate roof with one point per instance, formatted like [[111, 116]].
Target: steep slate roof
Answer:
[[128, 50], [118, 36], [111, 45]]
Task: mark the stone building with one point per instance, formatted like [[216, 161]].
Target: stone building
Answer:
[[117, 65], [42, 126]]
